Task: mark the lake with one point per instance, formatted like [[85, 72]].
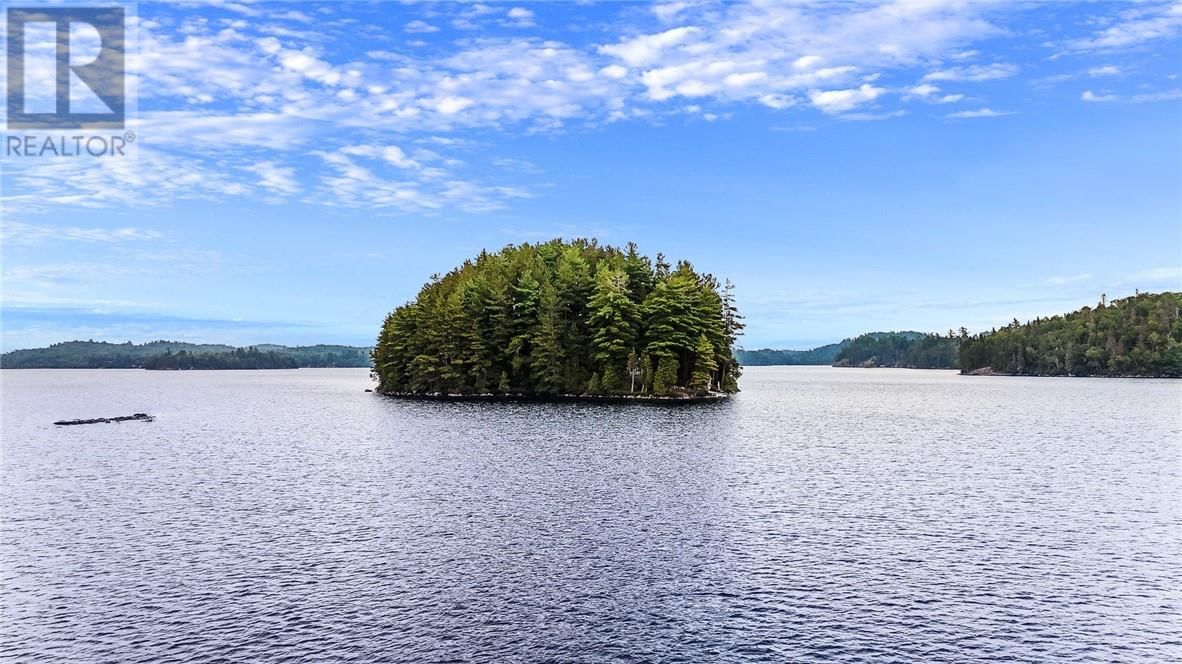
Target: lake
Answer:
[[857, 515]]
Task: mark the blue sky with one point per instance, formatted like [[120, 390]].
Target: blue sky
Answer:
[[301, 168]]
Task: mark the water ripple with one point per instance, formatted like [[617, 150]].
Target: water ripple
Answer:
[[823, 515]]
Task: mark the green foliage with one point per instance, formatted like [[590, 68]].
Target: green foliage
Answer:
[[103, 355], [239, 358], [561, 318], [1134, 336], [911, 350], [821, 355], [665, 378], [705, 367]]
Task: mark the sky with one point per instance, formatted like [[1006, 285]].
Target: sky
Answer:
[[301, 168]]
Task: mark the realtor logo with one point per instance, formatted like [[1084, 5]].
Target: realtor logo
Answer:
[[59, 76]]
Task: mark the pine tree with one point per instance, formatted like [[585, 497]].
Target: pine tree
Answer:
[[665, 378], [614, 322], [547, 318], [704, 366], [547, 359]]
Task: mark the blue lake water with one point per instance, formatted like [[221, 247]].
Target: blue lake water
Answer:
[[857, 515]]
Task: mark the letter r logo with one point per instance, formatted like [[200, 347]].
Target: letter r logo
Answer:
[[101, 75]]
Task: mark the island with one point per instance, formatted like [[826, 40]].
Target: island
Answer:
[[566, 320], [1138, 336]]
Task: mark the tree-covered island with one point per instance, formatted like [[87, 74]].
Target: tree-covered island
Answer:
[[563, 319]]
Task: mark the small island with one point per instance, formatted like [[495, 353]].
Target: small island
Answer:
[[563, 320]]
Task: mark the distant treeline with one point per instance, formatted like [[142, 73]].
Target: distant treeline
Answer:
[[103, 355], [909, 350], [1134, 336], [761, 357], [878, 349], [239, 358]]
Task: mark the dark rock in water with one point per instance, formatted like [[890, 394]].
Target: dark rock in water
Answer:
[[368, 390], [138, 417]]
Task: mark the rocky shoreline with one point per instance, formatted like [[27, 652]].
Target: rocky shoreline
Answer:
[[589, 398], [989, 371]]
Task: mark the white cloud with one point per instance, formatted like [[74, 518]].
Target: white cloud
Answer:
[[152, 179], [974, 73], [930, 93], [1167, 95], [979, 113], [265, 94], [924, 90], [776, 49], [839, 101], [668, 11], [806, 62], [866, 117], [371, 184], [274, 177], [1106, 70], [614, 71], [194, 130], [520, 17], [453, 105], [17, 233], [1135, 26], [291, 15], [419, 27], [647, 49]]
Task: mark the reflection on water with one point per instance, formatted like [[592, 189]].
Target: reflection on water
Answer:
[[823, 514]]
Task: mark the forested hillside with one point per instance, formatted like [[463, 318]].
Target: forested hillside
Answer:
[[911, 350], [821, 355], [1133, 336], [563, 318], [239, 358], [103, 355]]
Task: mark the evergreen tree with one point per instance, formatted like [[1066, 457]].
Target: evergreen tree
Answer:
[[665, 378], [548, 360], [548, 318], [1134, 336], [615, 319], [702, 378]]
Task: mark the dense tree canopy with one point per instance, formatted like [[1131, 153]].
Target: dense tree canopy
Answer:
[[1134, 336], [104, 355], [239, 358], [563, 318], [910, 350], [770, 356]]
